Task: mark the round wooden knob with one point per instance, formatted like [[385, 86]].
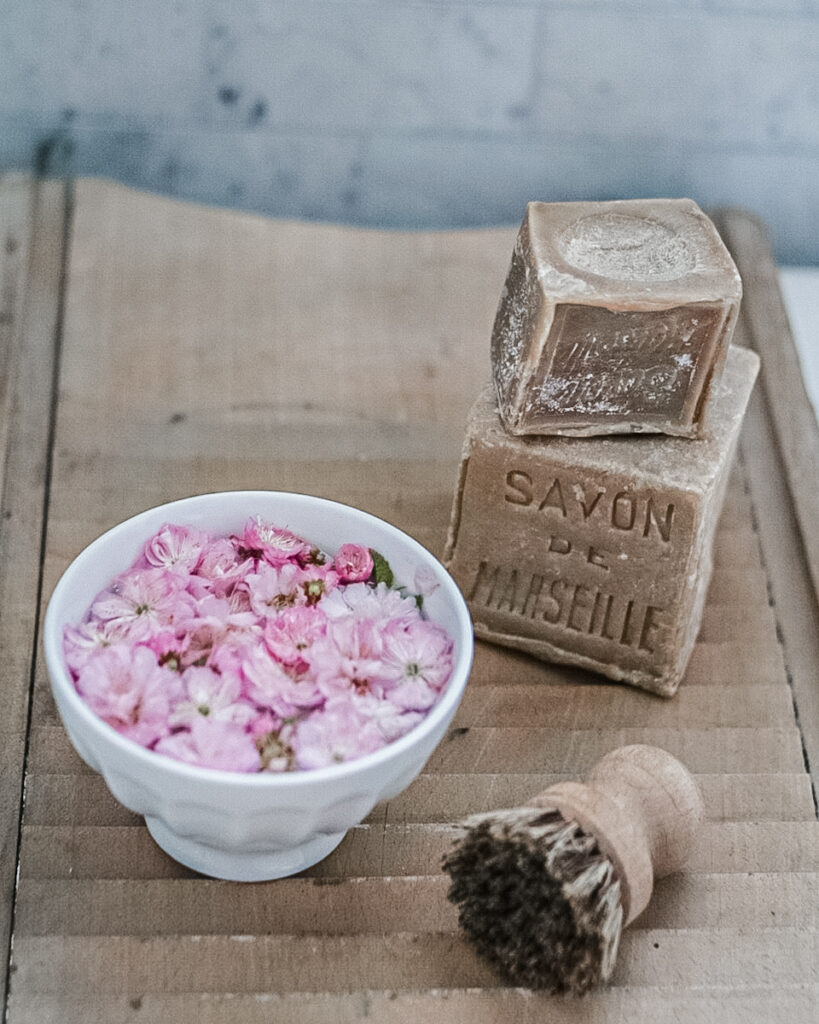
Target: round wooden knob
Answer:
[[643, 808]]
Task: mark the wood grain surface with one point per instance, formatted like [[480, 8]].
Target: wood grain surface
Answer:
[[32, 242], [206, 350]]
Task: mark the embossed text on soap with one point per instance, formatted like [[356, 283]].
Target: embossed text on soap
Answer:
[[606, 362], [647, 514], [569, 606]]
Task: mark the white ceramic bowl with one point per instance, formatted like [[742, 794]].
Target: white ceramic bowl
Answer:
[[229, 824]]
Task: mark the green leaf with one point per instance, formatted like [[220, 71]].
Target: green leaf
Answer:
[[382, 573]]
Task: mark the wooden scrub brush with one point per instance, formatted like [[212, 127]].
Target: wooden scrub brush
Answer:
[[544, 890]]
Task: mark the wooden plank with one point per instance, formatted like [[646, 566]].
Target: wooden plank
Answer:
[[773, 958], [749, 660], [15, 208], [738, 586], [32, 229], [727, 797], [737, 546], [746, 662], [385, 849], [703, 750], [723, 622], [58, 801], [383, 904], [792, 417], [537, 706], [780, 451], [377, 850], [796, 610], [721, 669], [671, 1005]]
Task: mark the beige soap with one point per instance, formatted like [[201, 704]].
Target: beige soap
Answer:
[[594, 552], [615, 318]]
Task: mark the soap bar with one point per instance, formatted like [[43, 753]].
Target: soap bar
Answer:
[[594, 552], [615, 318]]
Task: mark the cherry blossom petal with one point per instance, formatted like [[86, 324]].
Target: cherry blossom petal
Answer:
[[291, 635], [273, 589], [379, 604], [348, 657], [270, 686], [220, 569], [392, 720], [143, 602], [419, 650], [211, 695], [128, 689], [275, 544], [178, 548], [211, 743], [83, 641], [337, 733]]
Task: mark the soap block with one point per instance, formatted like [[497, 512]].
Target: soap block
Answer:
[[615, 319], [594, 552]]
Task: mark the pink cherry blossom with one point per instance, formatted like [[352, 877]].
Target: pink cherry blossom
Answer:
[[212, 622], [337, 733], [419, 657], [220, 569], [271, 589], [392, 720], [268, 684], [212, 743], [223, 615], [317, 582], [413, 694], [353, 563], [227, 658], [127, 688], [210, 695], [170, 647], [379, 604], [178, 548], [143, 602], [291, 634], [239, 601], [348, 657], [82, 642], [275, 544]]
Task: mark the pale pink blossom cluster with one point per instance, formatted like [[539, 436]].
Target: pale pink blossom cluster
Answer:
[[258, 652]]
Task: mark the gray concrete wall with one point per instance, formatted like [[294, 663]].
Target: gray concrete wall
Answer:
[[416, 113]]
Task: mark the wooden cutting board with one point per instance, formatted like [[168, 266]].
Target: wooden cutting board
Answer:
[[153, 349]]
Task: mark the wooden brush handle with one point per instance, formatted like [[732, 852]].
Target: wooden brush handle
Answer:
[[643, 807]]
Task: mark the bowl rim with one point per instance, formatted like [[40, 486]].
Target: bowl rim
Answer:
[[60, 677]]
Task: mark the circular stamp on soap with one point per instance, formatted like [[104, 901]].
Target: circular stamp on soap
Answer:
[[626, 248]]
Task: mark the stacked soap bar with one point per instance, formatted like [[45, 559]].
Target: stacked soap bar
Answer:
[[615, 318], [596, 551]]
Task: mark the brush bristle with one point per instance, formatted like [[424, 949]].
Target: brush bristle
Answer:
[[537, 899]]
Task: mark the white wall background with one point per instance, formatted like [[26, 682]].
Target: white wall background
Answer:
[[416, 113]]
